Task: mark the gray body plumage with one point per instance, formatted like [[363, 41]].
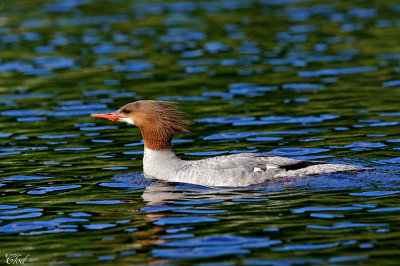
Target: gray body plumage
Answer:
[[236, 170]]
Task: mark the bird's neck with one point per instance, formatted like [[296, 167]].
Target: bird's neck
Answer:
[[156, 138]]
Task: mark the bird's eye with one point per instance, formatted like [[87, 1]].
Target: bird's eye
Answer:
[[126, 111]]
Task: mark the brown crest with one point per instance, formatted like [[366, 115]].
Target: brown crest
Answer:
[[159, 121]]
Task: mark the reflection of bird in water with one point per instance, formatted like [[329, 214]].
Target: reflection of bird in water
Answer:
[[160, 193], [160, 122], [178, 208]]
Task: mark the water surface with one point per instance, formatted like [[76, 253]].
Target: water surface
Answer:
[[302, 79]]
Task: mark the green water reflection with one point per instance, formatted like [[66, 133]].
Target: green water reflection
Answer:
[[306, 79]]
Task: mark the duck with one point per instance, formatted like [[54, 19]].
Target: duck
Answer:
[[161, 121]]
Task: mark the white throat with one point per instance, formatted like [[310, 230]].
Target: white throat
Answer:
[[160, 164], [126, 120], [158, 155]]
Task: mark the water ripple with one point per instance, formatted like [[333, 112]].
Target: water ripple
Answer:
[[25, 178], [185, 220], [231, 135], [197, 202], [324, 209], [336, 71], [100, 202], [302, 86], [306, 247], [345, 225], [212, 246], [44, 190], [7, 207], [16, 227], [377, 193], [21, 216], [296, 151], [98, 226], [388, 209]]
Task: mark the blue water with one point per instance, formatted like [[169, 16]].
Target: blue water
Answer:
[[304, 79]]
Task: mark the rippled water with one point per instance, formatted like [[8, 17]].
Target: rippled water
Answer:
[[297, 78]]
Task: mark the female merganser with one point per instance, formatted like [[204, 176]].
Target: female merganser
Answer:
[[160, 122]]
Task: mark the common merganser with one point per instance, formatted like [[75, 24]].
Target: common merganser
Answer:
[[160, 122]]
